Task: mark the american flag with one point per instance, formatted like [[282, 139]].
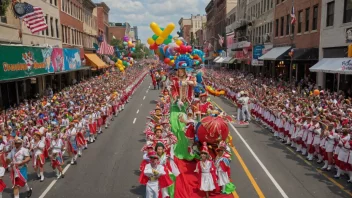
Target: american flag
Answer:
[[34, 18], [105, 48], [221, 40], [293, 16]]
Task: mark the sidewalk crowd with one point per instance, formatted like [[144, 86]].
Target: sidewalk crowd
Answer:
[[317, 123], [64, 123]]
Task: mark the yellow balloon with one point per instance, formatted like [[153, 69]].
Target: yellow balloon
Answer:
[[129, 43], [164, 34], [155, 28], [119, 61], [179, 42]]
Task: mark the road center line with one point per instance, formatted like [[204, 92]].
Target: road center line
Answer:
[[134, 121], [143, 97], [278, 187], [53, 183], [137, 111], [141, 104], [147, 91]]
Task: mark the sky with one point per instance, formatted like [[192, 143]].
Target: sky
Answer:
[[142, 12]]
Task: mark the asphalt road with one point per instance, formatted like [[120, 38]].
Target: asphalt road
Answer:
[[109, 168]]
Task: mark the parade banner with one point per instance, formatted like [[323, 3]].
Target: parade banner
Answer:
[[21, 62], [57, 60], [72, 59]]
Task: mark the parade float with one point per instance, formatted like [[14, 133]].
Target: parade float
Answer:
[[190, 124]]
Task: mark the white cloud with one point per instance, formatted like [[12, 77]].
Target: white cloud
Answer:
[[142, 12]]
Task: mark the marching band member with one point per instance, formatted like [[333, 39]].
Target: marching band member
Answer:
[[189, 129], [329, 147]]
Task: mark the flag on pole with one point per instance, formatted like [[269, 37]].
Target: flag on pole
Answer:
[[34, 18], [105, 48], [293, 16]]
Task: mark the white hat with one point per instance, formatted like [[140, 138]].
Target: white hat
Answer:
[[242, 92]]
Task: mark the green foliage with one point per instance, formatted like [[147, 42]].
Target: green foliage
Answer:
[[3, 6], [118, 43]]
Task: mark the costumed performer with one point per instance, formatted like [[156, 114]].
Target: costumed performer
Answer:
[[38, 146], [190, 131], [205, 106], [206, 172], [151, 176], [170, 168], [57, 161], [19, 157], [222, 163]]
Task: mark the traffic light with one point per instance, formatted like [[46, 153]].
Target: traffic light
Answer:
[[349, 53]]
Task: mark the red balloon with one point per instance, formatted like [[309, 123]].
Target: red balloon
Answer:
[[153, 47], [166, 60], [212, 130]]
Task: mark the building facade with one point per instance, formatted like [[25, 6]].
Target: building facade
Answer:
[[90, 28], [335, 36], [71, 17], [197, 22], [230, 33], [103, 19], [301, 38], [119, 30], [210, 32], [186, 28], [9, 28]]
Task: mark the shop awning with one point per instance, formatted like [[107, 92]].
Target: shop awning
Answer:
[[333, 65], [274, 53], [226, 60], [220, 60], [217, 58], [209, 58], [94, 61], [232, 60], [305, 54]]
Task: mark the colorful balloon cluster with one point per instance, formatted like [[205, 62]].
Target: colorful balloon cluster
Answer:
[[173, 51], [125, 62]]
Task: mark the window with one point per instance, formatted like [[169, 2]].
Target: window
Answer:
[[63, 34], [315, 17], [347, 11], [330, 14], [299, 21], [271, 27], [277, 27], [288, 24], [3, 19], [262, 7], [267, 5], [57, 28], [271, 4], [292, 28], [51, 1], [52, 26], [282, 26], [47, 29], [63, 5], [277, 2], [55, 2], [307, 19]]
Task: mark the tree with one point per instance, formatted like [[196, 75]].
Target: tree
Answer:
[[118, 43]]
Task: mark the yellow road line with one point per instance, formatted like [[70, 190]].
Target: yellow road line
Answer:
[[235, 195], [244, 166], [248, 173]]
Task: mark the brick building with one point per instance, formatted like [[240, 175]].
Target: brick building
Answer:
[[301, 38], [103, 19], [210, 32], [71, 17], [118, 30], [186, 27]]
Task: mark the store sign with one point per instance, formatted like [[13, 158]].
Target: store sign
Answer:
[[20, 62], [347, 65], [242, 44], [72, 59], [257, 52]]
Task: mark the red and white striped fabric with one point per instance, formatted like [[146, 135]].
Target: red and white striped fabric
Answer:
[[34, 19], [106, 49]]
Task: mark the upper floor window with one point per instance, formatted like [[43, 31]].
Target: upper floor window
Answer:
[[299, 21], [330, 14], [315, 17], [307, 19], [347, 11]]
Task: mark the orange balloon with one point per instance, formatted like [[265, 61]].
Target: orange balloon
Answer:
[[316, 92]]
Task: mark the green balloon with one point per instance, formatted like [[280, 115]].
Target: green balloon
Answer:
[[124, 63], [167, 41], [169, 37], [154, 37]]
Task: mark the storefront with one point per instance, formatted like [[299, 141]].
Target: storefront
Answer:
[[243, 55], [276, 65], [338, 70]]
